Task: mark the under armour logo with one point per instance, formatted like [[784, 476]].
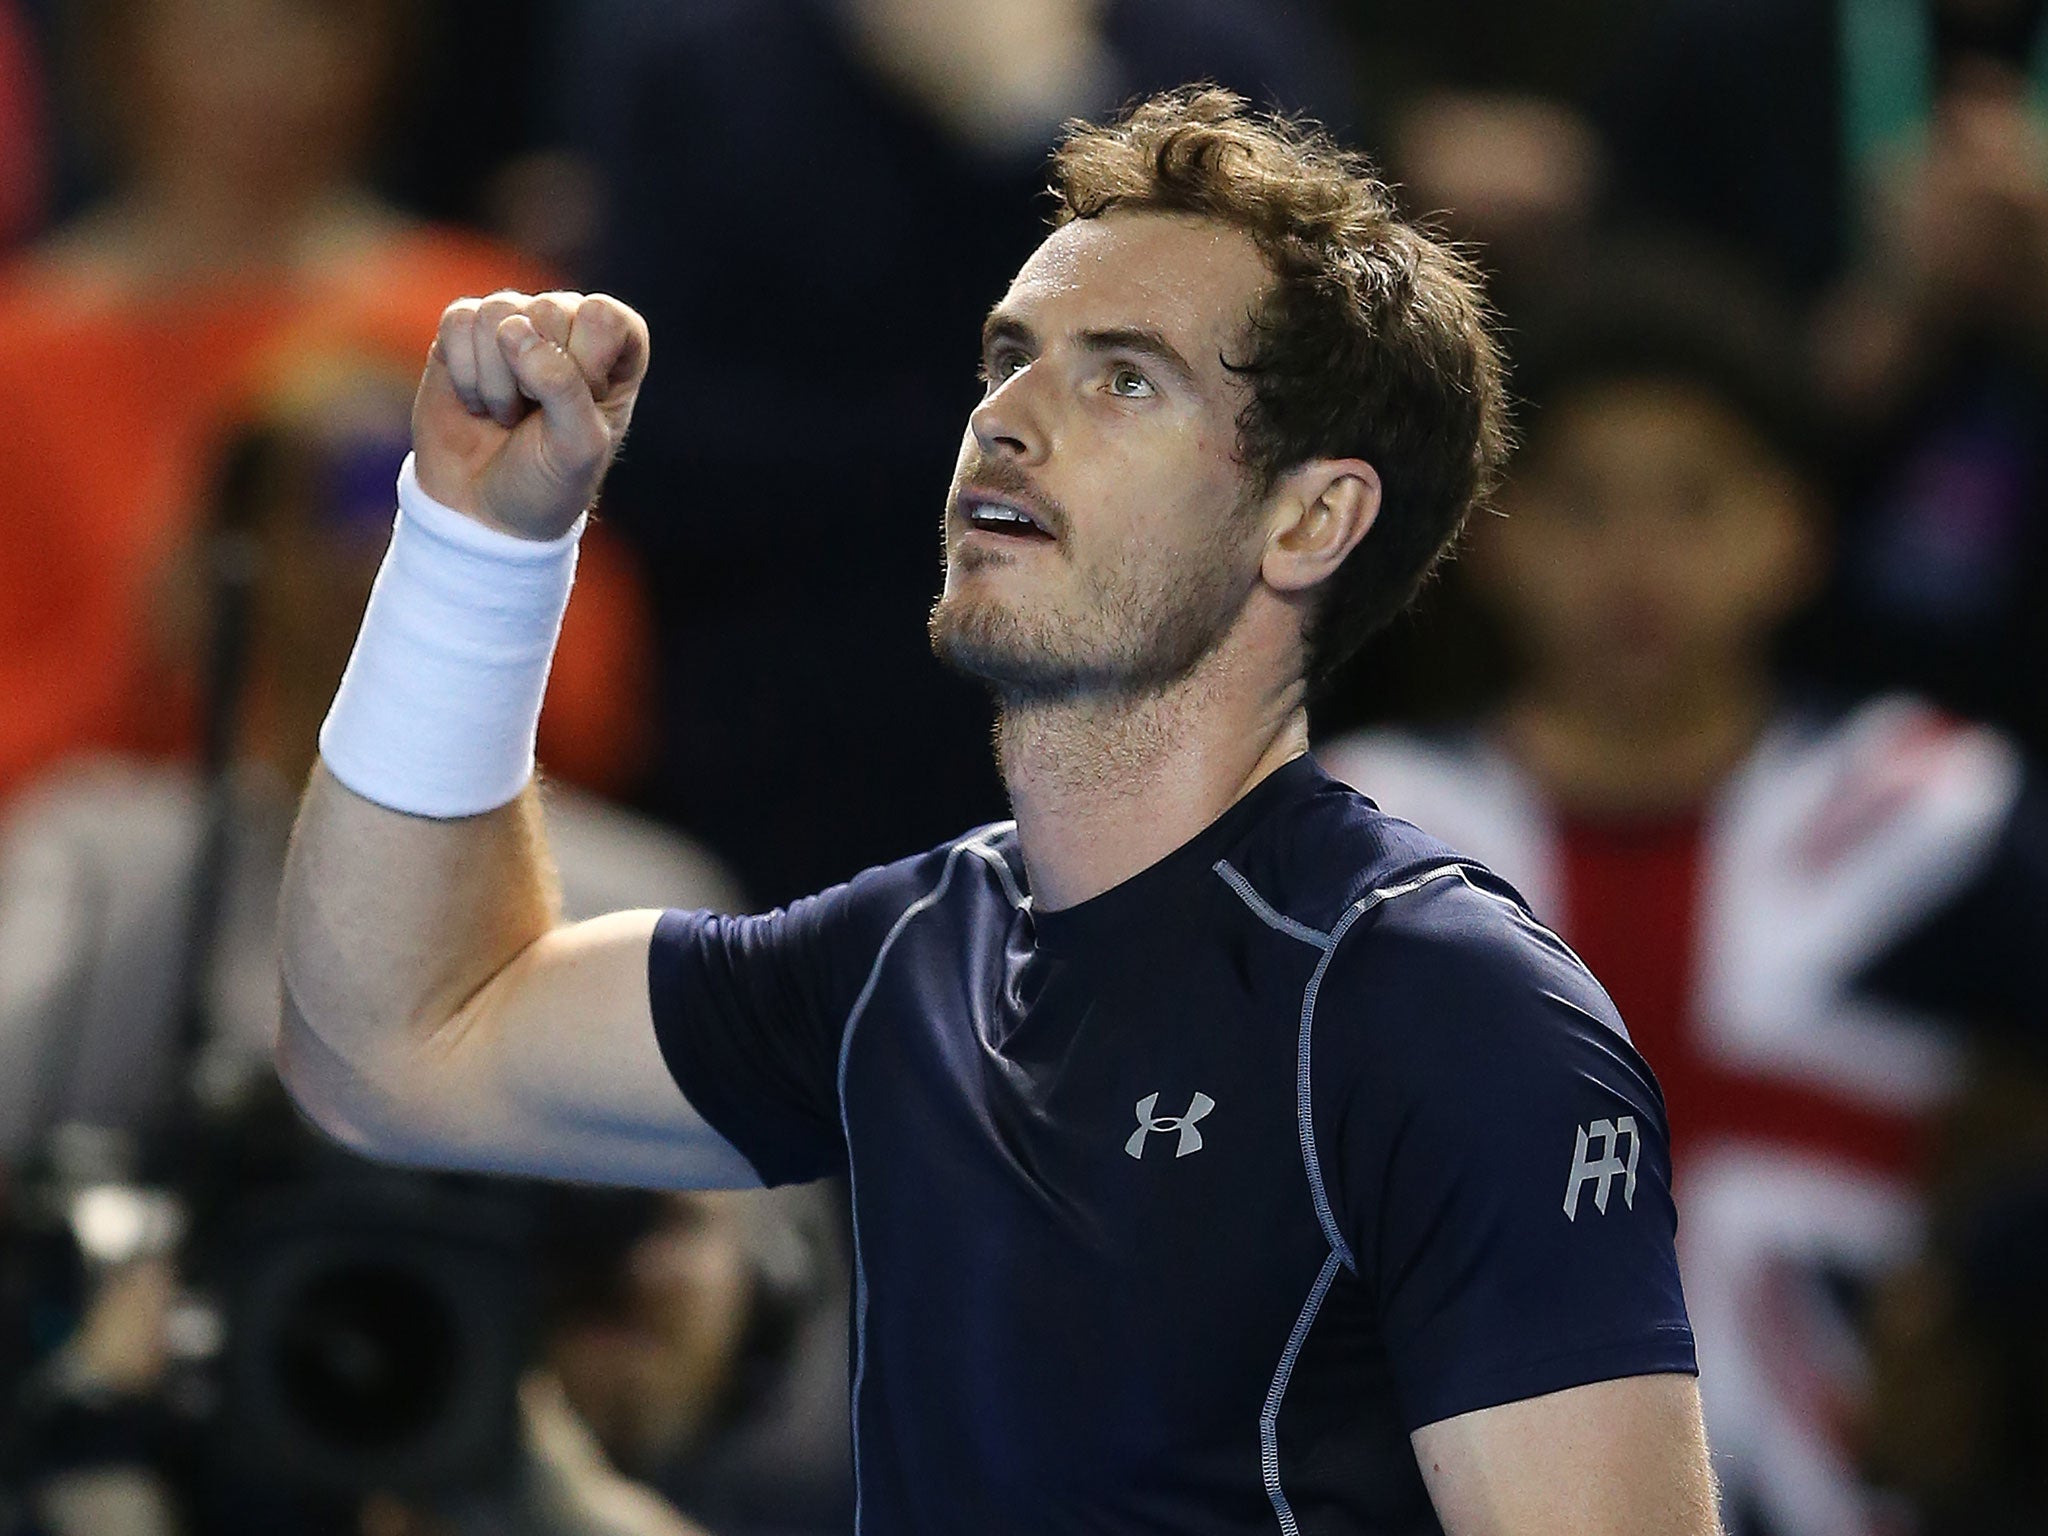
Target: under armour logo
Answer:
[[1190, 1138], [1604, 1168]]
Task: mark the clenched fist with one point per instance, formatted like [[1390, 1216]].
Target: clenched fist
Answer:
[[524, 402]]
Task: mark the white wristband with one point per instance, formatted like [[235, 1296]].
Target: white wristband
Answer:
[[437, 711]]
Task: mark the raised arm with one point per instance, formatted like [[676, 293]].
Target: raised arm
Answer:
[[436, 1010]]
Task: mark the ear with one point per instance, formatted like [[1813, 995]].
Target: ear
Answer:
[[1317, 515]]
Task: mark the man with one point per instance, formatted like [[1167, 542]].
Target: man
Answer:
[[1224, 1156], [1796, 906]]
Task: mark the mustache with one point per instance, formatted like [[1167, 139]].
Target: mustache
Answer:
[[1000, 480]]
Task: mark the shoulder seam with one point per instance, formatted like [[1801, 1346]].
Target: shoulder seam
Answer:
[[1311, 1159], [1264, 910], [979, 846]]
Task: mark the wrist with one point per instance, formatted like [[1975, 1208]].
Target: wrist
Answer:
[[435, 481], [437, 713], [473, 533]]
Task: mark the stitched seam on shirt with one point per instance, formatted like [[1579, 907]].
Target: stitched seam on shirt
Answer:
[[1001, 866], [860, 1275], [1269, 1416], [1264, 910], [1310, 1158]]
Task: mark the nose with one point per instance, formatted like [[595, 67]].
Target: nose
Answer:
[[1010, 423]]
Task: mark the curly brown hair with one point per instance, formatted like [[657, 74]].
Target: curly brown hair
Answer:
[[1374, 341]]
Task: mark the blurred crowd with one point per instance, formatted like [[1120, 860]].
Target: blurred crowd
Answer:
[[1746, 689]]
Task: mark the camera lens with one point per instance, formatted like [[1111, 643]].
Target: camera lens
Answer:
[[367, 1356]]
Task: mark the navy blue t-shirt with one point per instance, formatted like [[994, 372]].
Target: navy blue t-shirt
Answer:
[[1178, 1209]]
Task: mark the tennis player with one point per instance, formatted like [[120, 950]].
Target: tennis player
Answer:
[[1225, 1155]]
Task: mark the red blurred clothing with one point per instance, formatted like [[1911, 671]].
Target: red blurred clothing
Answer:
[[115, 403]]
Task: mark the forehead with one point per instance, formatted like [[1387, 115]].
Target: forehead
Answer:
[[1194, 279]]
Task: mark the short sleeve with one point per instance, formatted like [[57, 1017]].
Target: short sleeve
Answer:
[[748, 1012], [1496, 1156]]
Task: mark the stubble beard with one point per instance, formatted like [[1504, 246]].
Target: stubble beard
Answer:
[[1132, 633]]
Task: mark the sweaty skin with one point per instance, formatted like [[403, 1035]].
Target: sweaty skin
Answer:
[[438, 1011]]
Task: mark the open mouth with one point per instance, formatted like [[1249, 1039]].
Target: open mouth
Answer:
[[1003, 517]]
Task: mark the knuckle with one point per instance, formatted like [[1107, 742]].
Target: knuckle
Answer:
[[550, 318]]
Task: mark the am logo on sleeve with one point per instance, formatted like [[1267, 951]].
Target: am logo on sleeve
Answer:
[[1601, 1171]]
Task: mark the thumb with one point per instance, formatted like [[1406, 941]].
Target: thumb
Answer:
[[574, 438]]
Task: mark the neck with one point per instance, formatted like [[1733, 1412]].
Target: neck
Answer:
[[1639, 756], [1103, 788]]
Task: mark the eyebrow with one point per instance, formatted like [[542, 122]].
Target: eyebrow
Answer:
[[1137, 340]]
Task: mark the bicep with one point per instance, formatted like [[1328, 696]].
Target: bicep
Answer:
[[1613, 1458], [552, 1068]]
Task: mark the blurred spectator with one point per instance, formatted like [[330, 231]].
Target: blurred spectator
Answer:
[[1958, 1418], [238, 228], [815, 202], [1769, 122], [1792, 906], [1521, 177], [136, 909], [1480, 112], [1936, 351], [1562, 51]]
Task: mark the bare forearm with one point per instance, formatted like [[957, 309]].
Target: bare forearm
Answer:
[[391, 923]]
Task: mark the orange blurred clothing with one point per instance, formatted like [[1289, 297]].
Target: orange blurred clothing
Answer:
[[115, 403]]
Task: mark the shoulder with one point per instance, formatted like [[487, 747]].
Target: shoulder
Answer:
[[858, 915], [1429, 955], [1331, 849], [1444, 984], [981, 861]]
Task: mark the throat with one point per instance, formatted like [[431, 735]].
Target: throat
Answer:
[[1103, 789]]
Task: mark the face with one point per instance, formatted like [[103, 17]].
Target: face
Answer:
[[1098, 535], [1650, 533], [273, 93]]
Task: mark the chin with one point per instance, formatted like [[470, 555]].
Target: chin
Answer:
[[991, 641]]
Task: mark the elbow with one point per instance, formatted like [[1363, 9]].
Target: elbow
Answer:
[[341, 1102]]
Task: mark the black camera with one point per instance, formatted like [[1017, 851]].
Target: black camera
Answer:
[[342, 1328]]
